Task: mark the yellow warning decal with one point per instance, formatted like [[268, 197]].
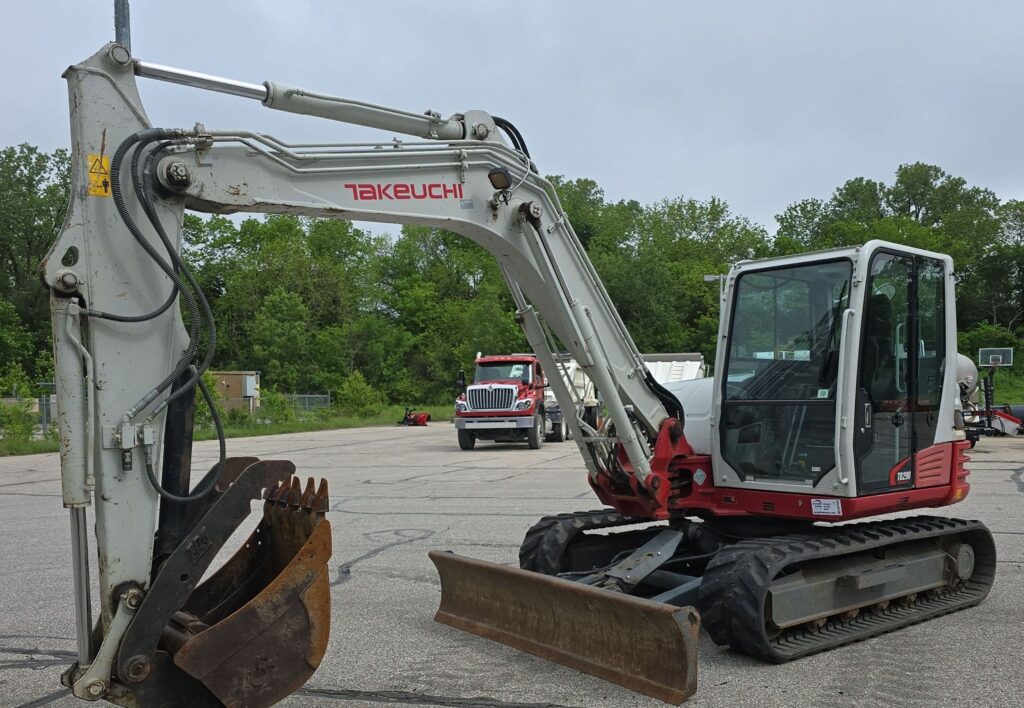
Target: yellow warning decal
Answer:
[[99, 175]]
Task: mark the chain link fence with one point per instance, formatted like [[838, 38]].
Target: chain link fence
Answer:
[[306, 402], [30, 418], [40, 413]]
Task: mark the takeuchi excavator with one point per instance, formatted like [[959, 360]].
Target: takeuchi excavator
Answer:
[[835, 400]]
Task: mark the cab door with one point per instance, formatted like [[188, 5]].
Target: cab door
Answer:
[[902, 350]]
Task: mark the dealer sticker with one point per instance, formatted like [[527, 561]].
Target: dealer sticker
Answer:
[[826, 507]]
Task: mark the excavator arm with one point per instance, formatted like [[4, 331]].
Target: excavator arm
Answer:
[[127, 365]]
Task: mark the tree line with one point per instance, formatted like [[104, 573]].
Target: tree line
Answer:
[[317, 305]]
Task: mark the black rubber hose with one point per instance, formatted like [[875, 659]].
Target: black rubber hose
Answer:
[[134, 318], [513, 132], [145, 194], [210, 481], [147, 136], [142, 184]]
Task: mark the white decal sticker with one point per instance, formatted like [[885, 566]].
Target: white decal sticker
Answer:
[[826, 507]]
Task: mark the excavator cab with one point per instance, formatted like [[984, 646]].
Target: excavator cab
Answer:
[[833, 370]]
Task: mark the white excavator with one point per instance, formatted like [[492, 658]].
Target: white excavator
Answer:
[[833, 401]]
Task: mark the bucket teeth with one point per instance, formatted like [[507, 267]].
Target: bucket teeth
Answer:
[[295, 493], [271, 494], [320, 500], [307, 494], [280, 494], [291, 494]]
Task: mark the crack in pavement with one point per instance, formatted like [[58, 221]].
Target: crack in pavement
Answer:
[[28, 494], [337, 509], [45, 700], [54, 657], [326, 445], [35, 636], [32, 481], [404, 536], [423, 699]]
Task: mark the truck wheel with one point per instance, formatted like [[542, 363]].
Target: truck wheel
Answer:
[[561, 432], [535, 435], [467, 441]]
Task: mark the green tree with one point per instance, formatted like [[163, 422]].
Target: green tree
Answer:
[[988, 335], [279, 332], [447, 293], [34, 189], [14, 382], [358, 398], [927, 208], [16, 345]]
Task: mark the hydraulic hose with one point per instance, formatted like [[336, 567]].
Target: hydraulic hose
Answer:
[[145, 194], [513, 133], [142, 185], [134, 318], [147, 136], [210, 480]]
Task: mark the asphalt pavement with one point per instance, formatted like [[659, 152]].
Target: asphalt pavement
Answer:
[[398, 492]]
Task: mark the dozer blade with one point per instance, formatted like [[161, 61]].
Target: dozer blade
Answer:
[[257, 629], [645, 646]]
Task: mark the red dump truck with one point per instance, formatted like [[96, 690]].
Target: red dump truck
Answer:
[[506, 402]]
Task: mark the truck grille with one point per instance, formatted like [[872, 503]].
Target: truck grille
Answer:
[[491, 398]]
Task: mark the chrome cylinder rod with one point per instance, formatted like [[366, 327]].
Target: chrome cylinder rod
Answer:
[[80, 571], [204, 81]]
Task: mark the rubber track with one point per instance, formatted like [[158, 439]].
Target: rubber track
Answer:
[[546, 541], [736, 583]]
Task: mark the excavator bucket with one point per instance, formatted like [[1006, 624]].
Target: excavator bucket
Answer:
[[257, 629], [645, 646]]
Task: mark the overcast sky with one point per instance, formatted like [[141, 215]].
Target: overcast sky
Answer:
[[759, 103]]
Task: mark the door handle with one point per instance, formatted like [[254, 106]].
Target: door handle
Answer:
[[867, 415]]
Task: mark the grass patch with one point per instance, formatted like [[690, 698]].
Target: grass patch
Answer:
[[390, 415], [1009, 385], [27, 447]]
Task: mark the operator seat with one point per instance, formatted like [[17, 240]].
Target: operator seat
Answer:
[[878, 371]]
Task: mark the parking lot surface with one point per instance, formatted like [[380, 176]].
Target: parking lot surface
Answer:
[[398, 492]]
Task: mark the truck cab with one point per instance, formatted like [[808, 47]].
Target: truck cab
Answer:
[[504, 402]]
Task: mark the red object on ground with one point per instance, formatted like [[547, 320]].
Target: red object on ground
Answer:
[[418, 418]]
